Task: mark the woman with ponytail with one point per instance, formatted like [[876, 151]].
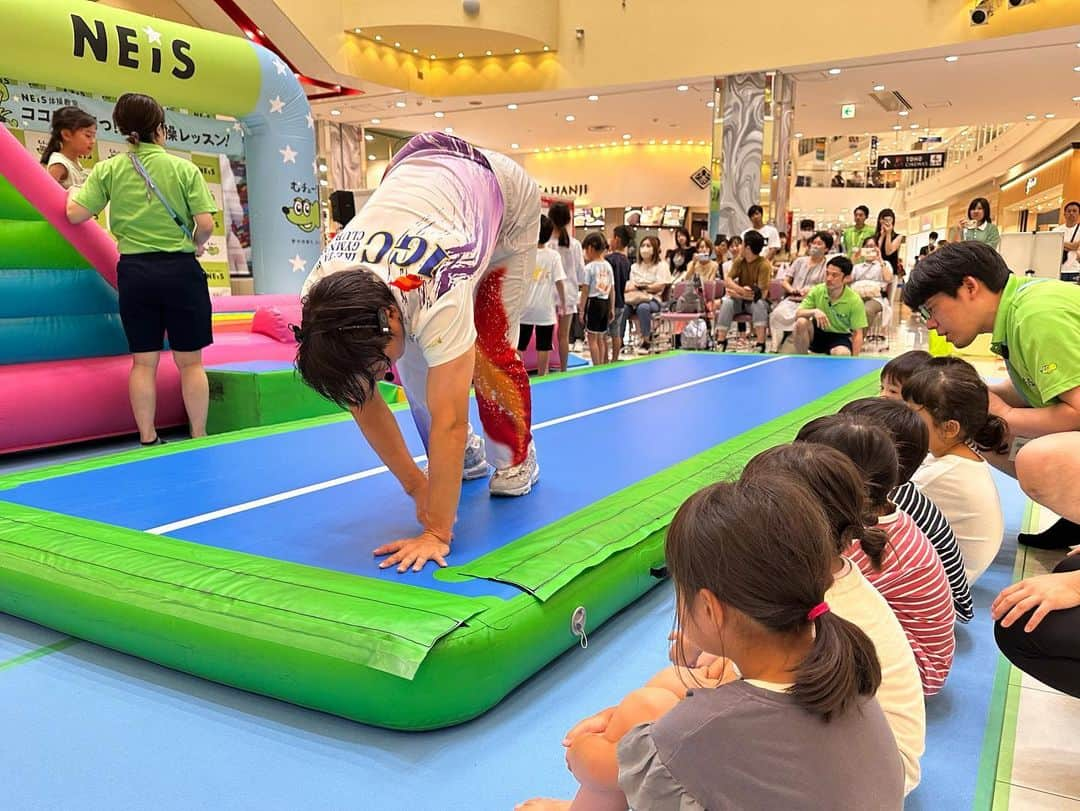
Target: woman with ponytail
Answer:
[[954, 402], [892, 552], [72, 136], [785, 734]]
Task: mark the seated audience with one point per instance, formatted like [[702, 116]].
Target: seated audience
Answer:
[[746, 283], [801, 276]]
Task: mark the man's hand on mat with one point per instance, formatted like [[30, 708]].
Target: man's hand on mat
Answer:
[[414, 552], [1044, 593]]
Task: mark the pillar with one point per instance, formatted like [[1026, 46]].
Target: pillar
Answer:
[[751, 155]]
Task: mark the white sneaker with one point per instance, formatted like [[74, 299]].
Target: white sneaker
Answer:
[[517, 480], [476, 464]]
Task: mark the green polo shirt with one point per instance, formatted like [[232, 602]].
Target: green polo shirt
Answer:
[[1037, 331], [137, 218], [846, 314], [853, 238]]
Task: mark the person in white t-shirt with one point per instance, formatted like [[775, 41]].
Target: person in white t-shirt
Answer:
[[954, 403], [649, 278], [430, 276], [772, 236], [72, 136], [573, 262], [544, 297], [1070, 255]]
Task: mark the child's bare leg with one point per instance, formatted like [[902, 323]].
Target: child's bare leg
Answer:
[[542, 363]]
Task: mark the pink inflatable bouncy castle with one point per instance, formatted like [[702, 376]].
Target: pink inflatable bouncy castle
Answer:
[[63, 357]]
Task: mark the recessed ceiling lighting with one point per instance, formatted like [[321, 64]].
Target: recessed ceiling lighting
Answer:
[[710, 104], [371, 157], [626, 136], [546, 48], [376, 121], [378, 37], [460, 54], [914, 126], [1031, 116], [399, 104], [517, 50], [1077, 68], [335, 112], [569, 118], [397, 44], [896, 126], [369, 137], [683, 88], [547, 148], [1051, 115], [678, 140], [593, 97], [664, 141], [798, 135], [514, 146], [356, 30], [432, 56], [834, 71], [416, 50], [487, 53], [952, 58], [439, 114], [652, 140], [701, 143], [905, 113], [878, 88], [448, 130], [1076, 98], [511, 106]]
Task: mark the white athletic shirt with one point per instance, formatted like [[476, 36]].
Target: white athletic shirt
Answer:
[[436, 217], [964, 490], [573, 261], [900, 695], [76, 175], [541, 295]]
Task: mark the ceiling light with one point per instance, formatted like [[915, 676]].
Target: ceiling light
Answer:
[[914, 126], [1077, 68], [511, 106], [397, 44], [678, 140], [652, 140], [614, 143], [399, 104], [904, 113], [335, 112], [487, 53], [369, 137], [580, 146], [664, 142], [878, 88], [683, 88], [952, 58], [546, 48], [710, 104], [514, 146], [593, 98], [1031, 116], [460, 54], [432, 56], [1076, 98], [1050, 115], [834, 71], [376, 121], [798, 135], [626, 136], [569, 118], [378, 37], [439, 114], [701, 143], [371, 157], [547, 148], [448, 130], [896, 126], [356, 30], [416, 50]]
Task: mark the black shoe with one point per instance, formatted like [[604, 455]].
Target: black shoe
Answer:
[[722, 344], [760, 348], [155, 441], [1062, 534]]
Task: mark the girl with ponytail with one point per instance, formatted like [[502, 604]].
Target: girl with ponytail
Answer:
[[895, 555], [573, 262], [751, 563], [954, 402], [72, 136]]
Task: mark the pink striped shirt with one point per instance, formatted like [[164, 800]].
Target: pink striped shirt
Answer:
[[914, 584]]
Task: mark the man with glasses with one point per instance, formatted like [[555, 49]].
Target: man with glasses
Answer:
[[964, 290], [832, 318]]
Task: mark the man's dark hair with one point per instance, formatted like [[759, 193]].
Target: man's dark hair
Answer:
[[863, 209], [754, 209], [624, 235], [944, 270], [342, 350], [825, 237], [1072, 203], [841, 262], [806, 225], [754, 241], [933, 236], [595, 241], [546, 229]]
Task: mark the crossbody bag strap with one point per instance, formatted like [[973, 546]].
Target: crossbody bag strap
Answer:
[[153, 189]]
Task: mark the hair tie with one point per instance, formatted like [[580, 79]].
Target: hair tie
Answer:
[[817, 611], [298, 332]]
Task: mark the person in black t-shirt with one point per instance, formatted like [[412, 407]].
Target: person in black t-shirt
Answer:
[[621, 239]]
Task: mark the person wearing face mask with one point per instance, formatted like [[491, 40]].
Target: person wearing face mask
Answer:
[[801, 275], [701, 267], [802, 243], [649, 277], [870, 278], [887, 240]]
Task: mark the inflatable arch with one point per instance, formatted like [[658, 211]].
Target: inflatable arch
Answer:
[[110, 51]]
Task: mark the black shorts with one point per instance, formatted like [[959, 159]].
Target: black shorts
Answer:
[[597, 315], [164, 293], [824, 342], [544, 334]]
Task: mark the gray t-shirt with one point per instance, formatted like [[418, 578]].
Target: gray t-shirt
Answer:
[[742, 746]]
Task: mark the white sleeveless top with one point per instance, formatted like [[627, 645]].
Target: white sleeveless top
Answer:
[[76, 175]]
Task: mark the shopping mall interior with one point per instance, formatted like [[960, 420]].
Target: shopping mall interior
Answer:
[[163, 647]]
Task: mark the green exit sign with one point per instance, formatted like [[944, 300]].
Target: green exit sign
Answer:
[[847, 111]]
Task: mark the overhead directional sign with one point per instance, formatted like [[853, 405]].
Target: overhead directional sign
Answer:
[[911, 160]]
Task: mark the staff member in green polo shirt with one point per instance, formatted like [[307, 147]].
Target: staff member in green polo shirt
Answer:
[[160, 213], [963, 290], [855, 235], [832, 317]]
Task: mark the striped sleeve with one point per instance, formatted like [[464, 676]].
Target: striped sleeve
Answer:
[[927, 517]]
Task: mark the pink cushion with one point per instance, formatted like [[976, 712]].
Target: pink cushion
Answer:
[[274, 322]]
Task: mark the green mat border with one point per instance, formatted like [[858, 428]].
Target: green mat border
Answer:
[[226, 616]]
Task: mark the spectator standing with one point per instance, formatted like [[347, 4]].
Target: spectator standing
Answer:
[[888, 241], [545, 295], [573, 262], [71, 136], [854, 235], [1070, 258], [978, 226], [621, 240], [757, 223]]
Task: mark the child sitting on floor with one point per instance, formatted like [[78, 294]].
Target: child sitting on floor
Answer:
[[896, 372], [902, 564], [953, 401], [912, 441]]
